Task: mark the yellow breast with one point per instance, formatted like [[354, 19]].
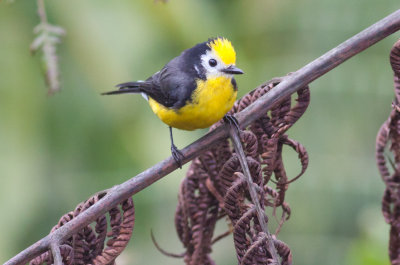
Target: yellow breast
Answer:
[[211, 100]]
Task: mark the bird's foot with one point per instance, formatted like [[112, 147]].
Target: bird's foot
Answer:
[[177, 155], [231, 120]]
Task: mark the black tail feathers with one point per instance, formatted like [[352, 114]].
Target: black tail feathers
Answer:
[[129, 87], [130, 84], [123, 91]]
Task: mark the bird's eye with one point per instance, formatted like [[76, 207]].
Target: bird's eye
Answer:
[[212, 62]]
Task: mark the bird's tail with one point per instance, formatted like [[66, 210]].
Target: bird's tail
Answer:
[[129, 87]]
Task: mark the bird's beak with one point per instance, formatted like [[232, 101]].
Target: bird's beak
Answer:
[[233, 70]]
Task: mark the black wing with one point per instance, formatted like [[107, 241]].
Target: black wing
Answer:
[[177, 80], [174, 84]]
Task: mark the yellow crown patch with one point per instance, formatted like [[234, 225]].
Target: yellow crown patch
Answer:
[[224, 50]]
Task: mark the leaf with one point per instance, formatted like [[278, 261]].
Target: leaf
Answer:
[[37, 43]]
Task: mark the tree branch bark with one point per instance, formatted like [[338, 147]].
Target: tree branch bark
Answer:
[[289, 85]]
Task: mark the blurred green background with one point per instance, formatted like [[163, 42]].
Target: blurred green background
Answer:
[[57, 151]]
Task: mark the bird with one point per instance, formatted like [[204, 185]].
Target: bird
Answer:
[[192, 91]]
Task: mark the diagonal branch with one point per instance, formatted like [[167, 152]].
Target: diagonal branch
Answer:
[[289, 85]]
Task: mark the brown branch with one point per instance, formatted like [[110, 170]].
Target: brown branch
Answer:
[[234, 135], [55, 250], [289, 85]]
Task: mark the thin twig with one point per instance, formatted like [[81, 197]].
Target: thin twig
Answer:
[[42, 11], [289, 85], [166, 253], [221, 236], [234, 135]]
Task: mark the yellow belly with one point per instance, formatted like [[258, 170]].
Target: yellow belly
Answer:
[[210, 102]]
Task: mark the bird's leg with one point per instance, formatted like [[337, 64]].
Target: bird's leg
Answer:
[[176, 154], [230, 119]]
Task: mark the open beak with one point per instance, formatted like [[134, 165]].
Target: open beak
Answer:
[[233, 70]]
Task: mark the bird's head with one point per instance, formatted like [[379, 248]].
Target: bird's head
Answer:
[[219, 58]]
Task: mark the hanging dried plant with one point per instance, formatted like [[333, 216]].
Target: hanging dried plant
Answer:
[[94, 244], [215, 186], [389, 135]]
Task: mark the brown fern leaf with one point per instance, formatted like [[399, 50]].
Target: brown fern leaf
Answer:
[[389, 136], [215, 185], [95, 244]]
